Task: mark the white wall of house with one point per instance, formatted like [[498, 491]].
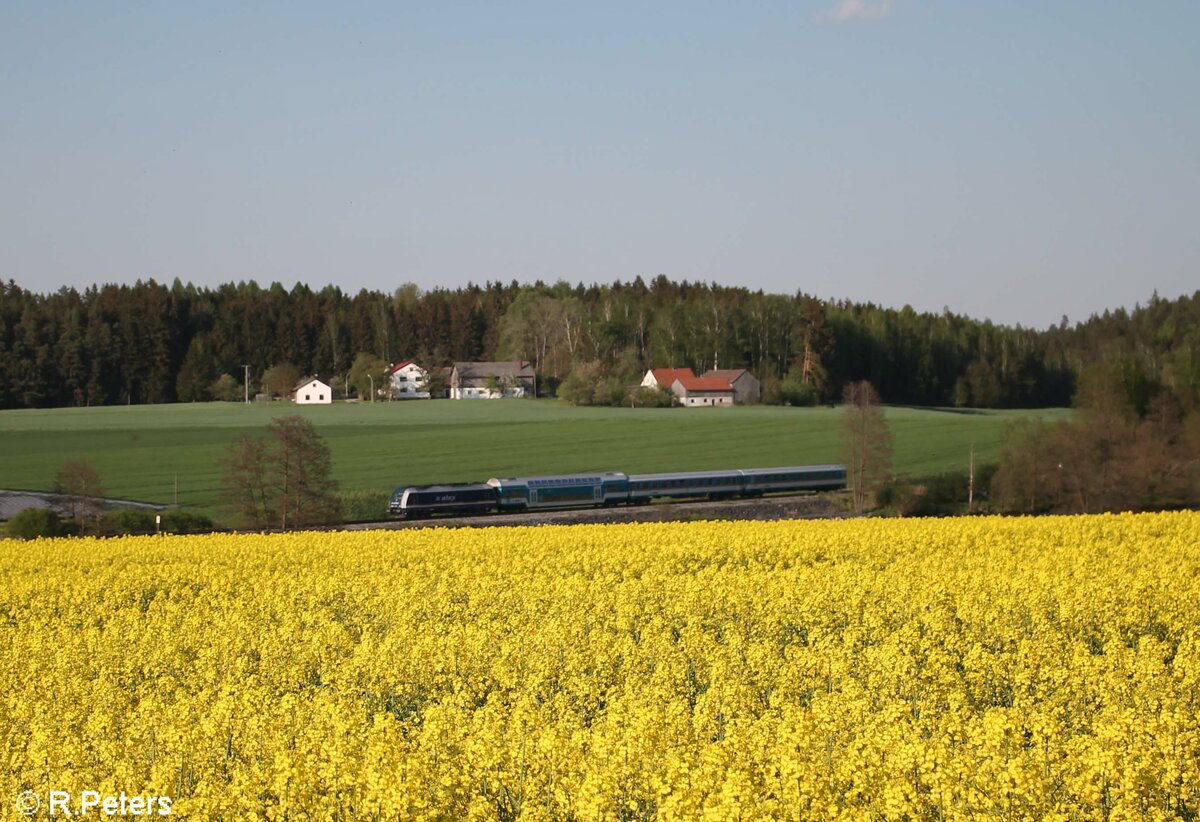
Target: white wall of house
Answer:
[[700, 399], [471, 392], [649, 382], [314, 392], [707, 400], [408, 383]]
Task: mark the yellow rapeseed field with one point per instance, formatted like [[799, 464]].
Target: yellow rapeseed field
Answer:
[[870, 669]]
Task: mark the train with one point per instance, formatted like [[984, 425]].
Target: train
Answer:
[[606, 488]]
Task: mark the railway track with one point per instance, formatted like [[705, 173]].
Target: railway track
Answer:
[[785, 506]]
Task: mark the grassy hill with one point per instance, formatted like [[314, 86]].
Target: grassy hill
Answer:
[[145, 452]]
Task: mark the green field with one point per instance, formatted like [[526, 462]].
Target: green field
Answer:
[[144, 452]]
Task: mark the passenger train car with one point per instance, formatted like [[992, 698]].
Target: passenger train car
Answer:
[[519, 494]]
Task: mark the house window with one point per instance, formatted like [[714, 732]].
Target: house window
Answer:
[[307, 397], [321, 397]]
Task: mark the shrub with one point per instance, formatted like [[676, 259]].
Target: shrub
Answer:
[[580, 387], [653, 397], [32, 523], [797, 393], [185, 522], [364, 506], [122, 521], [609, 392]]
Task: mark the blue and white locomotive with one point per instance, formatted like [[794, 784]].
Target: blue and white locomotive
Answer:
[[519, 494]]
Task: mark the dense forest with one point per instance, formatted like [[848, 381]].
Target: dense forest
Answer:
[[153, 343]]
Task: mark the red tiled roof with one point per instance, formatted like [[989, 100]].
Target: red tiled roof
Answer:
[[704, 384], [400, 365], [666, 376]]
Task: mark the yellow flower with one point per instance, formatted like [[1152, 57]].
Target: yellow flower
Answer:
[[1025, 668]]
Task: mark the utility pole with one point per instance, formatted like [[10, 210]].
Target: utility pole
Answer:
[[246, 382]]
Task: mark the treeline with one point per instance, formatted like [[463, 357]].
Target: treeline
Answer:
[[150, 343], [1112, 456]]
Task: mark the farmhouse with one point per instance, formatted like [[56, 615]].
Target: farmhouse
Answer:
[[746, 388], [694, 392], [725, 386], [312, 391], [491, 380], [409, 381]]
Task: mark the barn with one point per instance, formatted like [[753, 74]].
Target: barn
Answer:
[[697, 392], [491, 380], [746, 387]]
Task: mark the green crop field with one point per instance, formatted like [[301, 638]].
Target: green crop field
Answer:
[[166, 453]]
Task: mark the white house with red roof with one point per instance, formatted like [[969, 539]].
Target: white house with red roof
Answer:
[[699, 392], [726, 386], [409, 381]]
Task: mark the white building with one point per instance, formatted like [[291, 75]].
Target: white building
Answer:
[[719, 387], [699, 392], [311, 391], [409, 381]]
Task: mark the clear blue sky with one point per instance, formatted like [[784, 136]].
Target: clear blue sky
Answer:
[[1013, 159]]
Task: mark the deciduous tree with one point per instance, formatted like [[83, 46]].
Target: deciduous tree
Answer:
[[866, 442], [302, 473], [283, 479], [369, 371], [280, 379], [79, 483], [226, 388], [244, 482]]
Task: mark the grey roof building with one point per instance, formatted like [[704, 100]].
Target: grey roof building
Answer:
[[492, 380]]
